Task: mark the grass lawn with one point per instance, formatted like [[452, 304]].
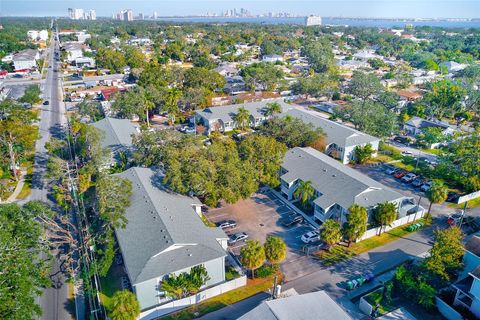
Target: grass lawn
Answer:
[[110, 284], [471, 204], [27, 185], [432, 151], [340, 253], [253, 287]]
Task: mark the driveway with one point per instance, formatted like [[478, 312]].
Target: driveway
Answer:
[[259, 217]]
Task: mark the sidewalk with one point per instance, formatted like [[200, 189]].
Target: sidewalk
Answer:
[[18, 188]]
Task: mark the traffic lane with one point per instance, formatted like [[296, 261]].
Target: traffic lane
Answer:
[[416, 152]]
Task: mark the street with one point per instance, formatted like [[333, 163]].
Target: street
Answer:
[[54, 301]]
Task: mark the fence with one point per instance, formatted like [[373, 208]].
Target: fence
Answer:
[[397, 223], [176, 305]]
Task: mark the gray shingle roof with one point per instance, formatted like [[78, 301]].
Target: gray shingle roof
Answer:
[[421, 123], [117, 133], [337, 183], [310, 306], [25, 55], [337, 133], [163, 234], [227, 113]]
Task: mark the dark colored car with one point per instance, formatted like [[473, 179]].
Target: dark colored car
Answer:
[[227, 224], [404, 140], [418, 182], [452, 197], [46, 103], [291, 220]]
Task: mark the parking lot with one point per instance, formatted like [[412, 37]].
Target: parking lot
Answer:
[[259, 217]]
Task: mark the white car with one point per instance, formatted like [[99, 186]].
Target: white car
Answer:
[[426, 186], [409, 177], [407, 153], [190, 130], [309, 237]]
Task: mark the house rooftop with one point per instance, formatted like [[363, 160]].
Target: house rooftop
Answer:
[[25, 55], [337, 183], [473, 245], [117, 132], [310, 306], [164, 234], [337, 133], [421, 123]]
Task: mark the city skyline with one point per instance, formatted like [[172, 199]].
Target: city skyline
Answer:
[[341, 8]]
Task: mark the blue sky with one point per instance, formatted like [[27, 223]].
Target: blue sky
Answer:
[[346, 8]]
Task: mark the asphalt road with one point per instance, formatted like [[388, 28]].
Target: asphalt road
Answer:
[[54, 301]]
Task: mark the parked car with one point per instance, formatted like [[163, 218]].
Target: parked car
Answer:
[[291, 220], [409, 177], [393, 171], [237, 237], [390, 169], [407, 153], [426, 186], [452, 196], [399, 174], [309, 237], [46, 103], [455, 218], [227, 224], [418, 182], [118, 259], [190, 130], [404, 140]]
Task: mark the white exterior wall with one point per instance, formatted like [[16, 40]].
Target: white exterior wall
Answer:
[[149, 293], [74, 54], [199, 297], [24, 64]]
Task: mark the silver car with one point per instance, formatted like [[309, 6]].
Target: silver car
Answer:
[[237, 237]]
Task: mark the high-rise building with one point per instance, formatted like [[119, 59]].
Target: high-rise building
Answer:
[[75, 13], [141, 16], [126, 15], [313, 21], [92, 14], [155, 15]]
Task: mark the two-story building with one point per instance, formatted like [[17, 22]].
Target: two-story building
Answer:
[[341, 139], [337, 187], [25, 59], [165, 235]]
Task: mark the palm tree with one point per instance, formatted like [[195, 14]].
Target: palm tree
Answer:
[[242, 118], [171, 103], [331, 232], [124, 306], [275, 250], [304, 192], [437, 193], [272, 109]]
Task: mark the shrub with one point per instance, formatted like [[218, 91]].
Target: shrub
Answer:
[[266, 270]]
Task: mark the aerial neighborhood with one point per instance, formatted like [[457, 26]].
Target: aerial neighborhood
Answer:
[[238, 168]]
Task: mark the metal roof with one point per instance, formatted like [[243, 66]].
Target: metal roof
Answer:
[[337, 183], [164, 234], [310, 306]]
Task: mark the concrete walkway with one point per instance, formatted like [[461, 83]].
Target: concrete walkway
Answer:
[[18, 188]]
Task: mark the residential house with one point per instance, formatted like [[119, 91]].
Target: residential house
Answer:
[[82, 36], [452, 66], [74, 50], [337, 187], [222, 118], [272, 58], [309, 306], [341, 139], [117, 136], [85, 62], [415, 125], [467, 288], [165, 235], [227, 69], [25, 59]]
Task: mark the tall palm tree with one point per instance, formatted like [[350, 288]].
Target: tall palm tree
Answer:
[[242, 118], [171, 103], [124, 306], [437, 193], [272, 109], [304, 192]]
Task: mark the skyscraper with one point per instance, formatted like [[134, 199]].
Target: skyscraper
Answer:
[[127, 15], [155, 15], [75, 14], [313, 21], [92, 14]]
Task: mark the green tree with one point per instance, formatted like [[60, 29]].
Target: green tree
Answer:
[[174, 286], [437, 193], [320, 55], [197, 277], [356, 226], [110, 59], [134, 57], [31, 95], [275, 250], [317, 85], [364, 85], [124, 306], [304, 192], [385, 214], [263, 75], [363, 153], [331, 232], [113, 197], [272, 109], [446, 255], [252, 255], [443, 98], [293, 132], [242, 118], [24, 269], [170, 103]]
